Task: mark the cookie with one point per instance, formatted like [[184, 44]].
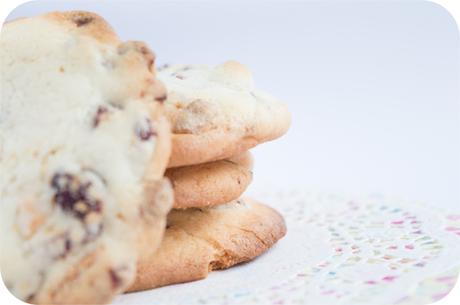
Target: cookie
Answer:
[[198, 241], [245, 159], [84, 147], [216, 112], [210, 183]]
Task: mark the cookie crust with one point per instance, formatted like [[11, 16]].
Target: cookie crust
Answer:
[[212, 183]]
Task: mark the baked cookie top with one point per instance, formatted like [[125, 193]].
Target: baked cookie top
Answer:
[[83, 134], [217, 112]]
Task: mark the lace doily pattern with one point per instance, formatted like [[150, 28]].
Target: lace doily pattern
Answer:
[[339, 250]]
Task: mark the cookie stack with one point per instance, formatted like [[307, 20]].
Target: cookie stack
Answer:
[[217, 115], [87, 131]]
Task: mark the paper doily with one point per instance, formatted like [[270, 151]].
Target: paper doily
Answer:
[[338, 250]]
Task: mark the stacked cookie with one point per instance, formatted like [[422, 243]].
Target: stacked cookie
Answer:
[[217, 115], [84, 145]]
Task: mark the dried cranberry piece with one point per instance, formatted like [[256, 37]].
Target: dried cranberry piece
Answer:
[[81, 20], [165, 66], [67, 245], [145, 130], [72, 195], [179, 75], [101, 110], [161, 98], [115, 278], [29, 298]]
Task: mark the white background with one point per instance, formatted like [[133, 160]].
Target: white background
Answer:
[[373, 87]]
